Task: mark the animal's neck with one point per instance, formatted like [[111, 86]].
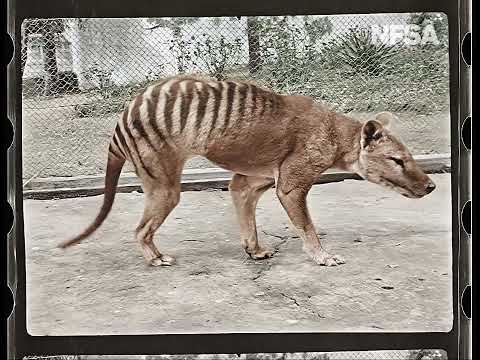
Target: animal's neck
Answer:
[[348, 142]]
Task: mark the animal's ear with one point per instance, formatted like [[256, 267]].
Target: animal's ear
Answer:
[[371, 131], [385, 118]]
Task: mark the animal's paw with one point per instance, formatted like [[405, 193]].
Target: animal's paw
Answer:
[[326, 259], [163, 260], [259, 253]]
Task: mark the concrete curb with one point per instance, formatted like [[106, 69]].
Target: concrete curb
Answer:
[[192, 180]]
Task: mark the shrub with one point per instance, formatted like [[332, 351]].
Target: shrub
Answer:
[[358, 51], [217, 56], [289, 56]]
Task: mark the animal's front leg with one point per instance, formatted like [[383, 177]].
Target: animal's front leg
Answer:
[[246, 190], [295, 203]]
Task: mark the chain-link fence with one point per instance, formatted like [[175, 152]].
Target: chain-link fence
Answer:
[[78, 73], [341, 355]]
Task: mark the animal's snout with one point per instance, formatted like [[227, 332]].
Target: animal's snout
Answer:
[[430, 187]]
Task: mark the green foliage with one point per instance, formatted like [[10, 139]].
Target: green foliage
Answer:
[[155, 74], [416, 81], [317, 27], [99, 76], [352, 72], [288, 50], [357, 50], [182, 52], [217, 56], [283, 40]]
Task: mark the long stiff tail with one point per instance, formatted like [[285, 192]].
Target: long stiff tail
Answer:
[[114, 168]]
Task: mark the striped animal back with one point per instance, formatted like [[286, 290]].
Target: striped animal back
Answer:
[[192, 111]]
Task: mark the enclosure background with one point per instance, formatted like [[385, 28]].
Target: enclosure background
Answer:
[[78, 74]]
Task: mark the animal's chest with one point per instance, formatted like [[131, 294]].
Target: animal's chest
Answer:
[[251, 151]]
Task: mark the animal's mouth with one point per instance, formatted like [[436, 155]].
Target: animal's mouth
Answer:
[[400, 189]]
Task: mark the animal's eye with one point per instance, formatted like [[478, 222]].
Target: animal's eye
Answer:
[[397, 161]]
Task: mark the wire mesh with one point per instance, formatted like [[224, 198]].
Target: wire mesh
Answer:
[[79, 73], [343, 355]]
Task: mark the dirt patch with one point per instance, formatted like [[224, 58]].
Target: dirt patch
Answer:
[[397, 276]]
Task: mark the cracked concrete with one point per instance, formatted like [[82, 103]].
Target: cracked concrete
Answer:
[[397, 276]]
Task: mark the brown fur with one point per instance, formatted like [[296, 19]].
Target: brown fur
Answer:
[[264, 138]]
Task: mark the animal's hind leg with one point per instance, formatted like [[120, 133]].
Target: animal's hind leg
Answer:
[[159, 202], [162, 194], [245, 191]]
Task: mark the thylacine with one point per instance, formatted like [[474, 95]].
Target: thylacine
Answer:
[[264, 138]]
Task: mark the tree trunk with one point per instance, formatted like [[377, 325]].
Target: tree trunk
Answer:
[[49, 63], [254, 56]]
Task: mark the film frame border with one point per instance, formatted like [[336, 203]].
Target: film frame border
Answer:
[[456, 342], [465, 185]]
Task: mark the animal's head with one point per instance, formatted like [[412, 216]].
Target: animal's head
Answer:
[[384, 160]]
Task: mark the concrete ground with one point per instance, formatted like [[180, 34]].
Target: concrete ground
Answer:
[[397, 276]]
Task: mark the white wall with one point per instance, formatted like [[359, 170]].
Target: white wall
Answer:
[[127, 49]]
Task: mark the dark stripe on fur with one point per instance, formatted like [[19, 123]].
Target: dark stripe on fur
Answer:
[[169, 104], [114, 152], [135, 147], [202, 105], [115, 141], [125, 146], [242, 92], [230, 97], [137, 121], [254, 91], [152, 104], [186, 98], [263, 102], [217, 93]]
